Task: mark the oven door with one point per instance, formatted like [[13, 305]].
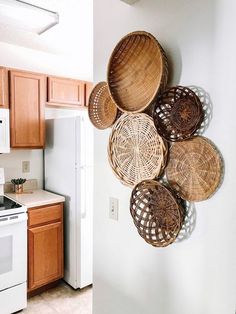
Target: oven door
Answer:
[[13, 250]]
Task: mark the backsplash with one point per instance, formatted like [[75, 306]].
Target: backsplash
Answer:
[[12, 164], [29, 185]]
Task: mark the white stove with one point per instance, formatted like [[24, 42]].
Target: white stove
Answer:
[[13, 255]]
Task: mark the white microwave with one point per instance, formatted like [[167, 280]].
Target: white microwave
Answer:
[[4, 131]]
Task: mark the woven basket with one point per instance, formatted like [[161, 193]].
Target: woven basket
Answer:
[[178, 113], [102, 110], [137, 70], [156, 212], [136, 151], [195, 169]]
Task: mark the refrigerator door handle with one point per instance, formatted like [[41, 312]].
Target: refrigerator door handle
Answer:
[[83, 211]]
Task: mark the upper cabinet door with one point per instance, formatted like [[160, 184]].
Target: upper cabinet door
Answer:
[[4, 100], [27, 102], [65, 92]]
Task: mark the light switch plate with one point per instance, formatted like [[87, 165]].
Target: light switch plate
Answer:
[[25, 166], [113, 208]]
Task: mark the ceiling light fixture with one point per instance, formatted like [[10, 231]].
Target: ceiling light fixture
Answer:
[[23, 15]]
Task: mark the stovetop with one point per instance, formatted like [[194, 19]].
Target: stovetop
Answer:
[[6, 203]]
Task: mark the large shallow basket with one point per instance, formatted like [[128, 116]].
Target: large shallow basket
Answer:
[[195, 169], [178, 113], [137, 70], [101, 108], [136, 151], [156, 212]]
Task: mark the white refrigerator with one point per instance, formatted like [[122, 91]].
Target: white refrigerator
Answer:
[[68, 168]]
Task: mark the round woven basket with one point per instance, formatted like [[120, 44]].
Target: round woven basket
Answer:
[[156, 212], [137, 70], [195, 169], [136, 151], [102, 110], [178, 113]]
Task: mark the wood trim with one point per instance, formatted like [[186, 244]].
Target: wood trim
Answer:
[[32, 293], [88, 88], [65, 106], [4, 96]]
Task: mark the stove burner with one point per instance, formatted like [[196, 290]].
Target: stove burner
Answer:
[[7, 203]]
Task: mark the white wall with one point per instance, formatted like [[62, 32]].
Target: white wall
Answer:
[[79, 66], [198, 275]]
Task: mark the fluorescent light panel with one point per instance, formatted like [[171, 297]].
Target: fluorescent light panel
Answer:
[[26, 16]]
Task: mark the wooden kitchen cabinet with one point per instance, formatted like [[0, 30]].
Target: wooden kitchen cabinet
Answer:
[[88, 89], [62, 92], [4, 97], [27, 102], [45, 245]]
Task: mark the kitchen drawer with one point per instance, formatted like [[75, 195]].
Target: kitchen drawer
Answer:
[[44, 214]]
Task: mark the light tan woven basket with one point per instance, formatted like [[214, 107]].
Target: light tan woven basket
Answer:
[[102, 110], [137, 70], [195, 169], [136, 152]]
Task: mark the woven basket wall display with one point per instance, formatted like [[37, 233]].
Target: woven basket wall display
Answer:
[[178, 113], [137, 70], [194, 169], [156, 213], [136, 151], [101, 108]]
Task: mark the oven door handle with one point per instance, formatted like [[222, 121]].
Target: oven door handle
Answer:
[[13, 219]]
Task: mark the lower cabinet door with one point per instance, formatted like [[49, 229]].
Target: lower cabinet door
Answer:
[[45, 256]]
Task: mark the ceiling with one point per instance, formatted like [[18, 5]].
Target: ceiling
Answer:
[[71, 37]]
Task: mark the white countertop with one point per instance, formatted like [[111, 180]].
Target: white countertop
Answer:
[[36, 198]]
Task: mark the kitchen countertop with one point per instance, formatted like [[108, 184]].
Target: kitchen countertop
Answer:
[[36, 198]]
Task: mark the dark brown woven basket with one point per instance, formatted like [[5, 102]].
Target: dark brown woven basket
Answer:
[[102, 110], [178, 113], [137, 70], [157, 213], [195, 169]]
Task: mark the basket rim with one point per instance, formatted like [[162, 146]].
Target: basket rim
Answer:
[[155, 119], [221, 168], [162, 140], [173, 197], [156, 182], [98, 86], [153, 38]]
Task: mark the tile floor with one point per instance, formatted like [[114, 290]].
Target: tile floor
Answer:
[[62, 299]]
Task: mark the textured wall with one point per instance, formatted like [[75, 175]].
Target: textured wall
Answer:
[[196, 275]]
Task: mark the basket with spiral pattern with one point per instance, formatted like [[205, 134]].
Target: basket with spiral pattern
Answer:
[[101, 108], [178, 113], [137, 70], [136, 151], [195, 169], [156, 212]]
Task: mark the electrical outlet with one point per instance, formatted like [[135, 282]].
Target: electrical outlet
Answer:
[[113, 208], [25, 166]]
